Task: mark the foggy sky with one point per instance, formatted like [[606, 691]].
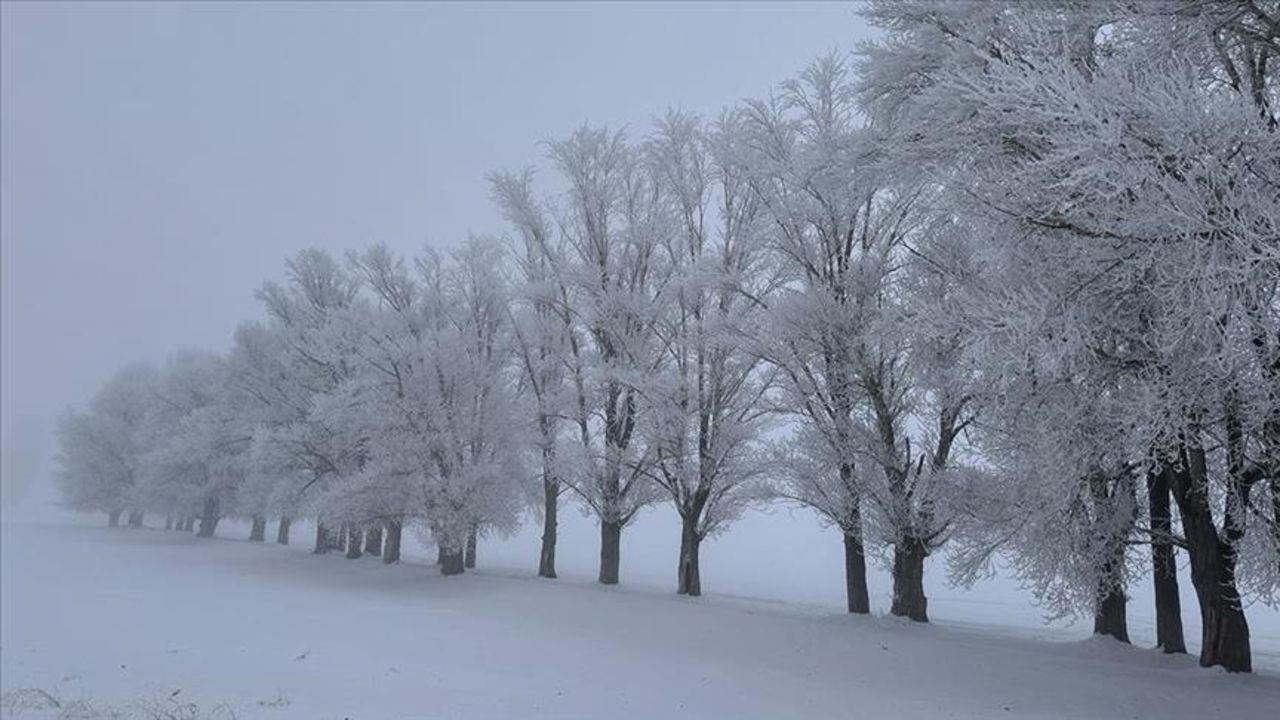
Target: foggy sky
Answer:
[[159, 161]]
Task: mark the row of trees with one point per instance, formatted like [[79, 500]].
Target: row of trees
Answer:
[[1007, 284]]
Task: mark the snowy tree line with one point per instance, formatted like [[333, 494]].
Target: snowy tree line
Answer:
[[1004, 286]]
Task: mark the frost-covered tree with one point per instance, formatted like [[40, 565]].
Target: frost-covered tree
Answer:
[[431, 399], [101, 449], [545, 340], [705, 408], [267, 398], [1122, 160], [304, 451], [613, 228], [811, 169], [197, 448]]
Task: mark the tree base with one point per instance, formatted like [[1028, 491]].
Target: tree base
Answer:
[[610, 552], [451, 563]]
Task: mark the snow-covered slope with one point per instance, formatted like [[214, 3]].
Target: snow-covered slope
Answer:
[[121, 617]]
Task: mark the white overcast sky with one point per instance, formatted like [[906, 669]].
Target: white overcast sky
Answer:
[[159, 161]]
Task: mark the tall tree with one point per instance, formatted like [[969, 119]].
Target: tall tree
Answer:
[[1129, 232], [810, 171], [613, 229], [545, 340], [705, 409]]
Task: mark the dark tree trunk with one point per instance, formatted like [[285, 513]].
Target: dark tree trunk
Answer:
[[258, 533], [323, 543], [451, 561], [1224, 630], [1164, 566], [113, 518], [1275, 503], [355, 540], [469, 557], [391, 550], [688, 576], [209, 518], [168, 522], [373, 541], [1109, 493], [340, 538], [610, 551], [550, 521], [191, 524], [909, 600], [282, 532], [1109, 615], [135, 518], [855, 560], [439, 554], [855, 575]]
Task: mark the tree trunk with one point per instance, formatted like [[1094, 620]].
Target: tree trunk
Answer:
[[1109, 614], [1110, 494], [469, 558], [550, 521], [451, 561], [340, 538], [909, 600], [135, 518], [373, 541], [391, 550], [113, 518], [168, 522], [258, 533], [1224, 630], [208, 518], [688, 577], [323, 543], [1164, 566], [855, 575], [1275, 504], [439, 554], [355, 540], [282, 532], [610, 551]]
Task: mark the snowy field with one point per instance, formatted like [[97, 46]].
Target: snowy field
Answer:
[[127, 619]]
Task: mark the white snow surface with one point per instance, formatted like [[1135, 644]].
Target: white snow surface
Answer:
[[122, 617]]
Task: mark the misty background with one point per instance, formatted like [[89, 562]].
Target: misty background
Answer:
[[159, 161]]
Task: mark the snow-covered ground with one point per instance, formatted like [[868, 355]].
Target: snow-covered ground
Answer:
[[120, 618]]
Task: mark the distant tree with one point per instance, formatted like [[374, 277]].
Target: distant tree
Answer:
[[306, 454], [101, 450], [265, 398], [197, 450], [431, 398]]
